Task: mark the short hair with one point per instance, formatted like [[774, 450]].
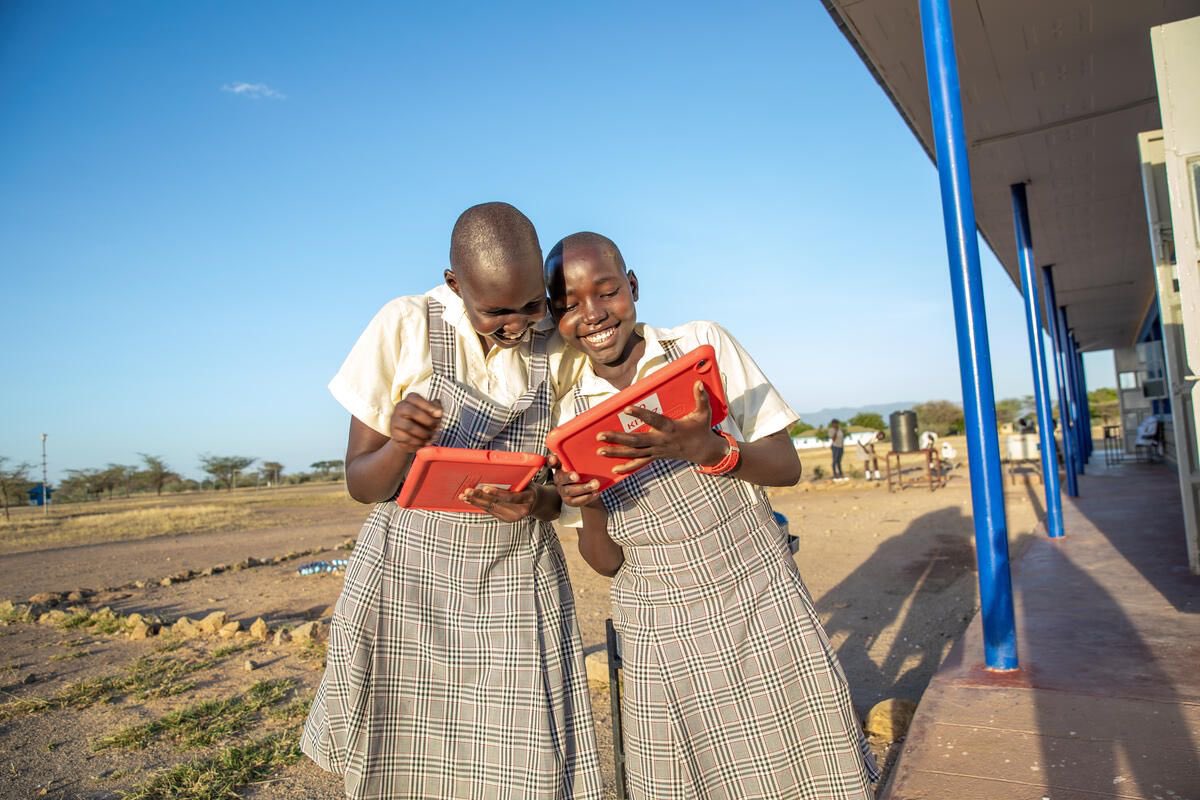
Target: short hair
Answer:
[[584, 239], [490, 235]]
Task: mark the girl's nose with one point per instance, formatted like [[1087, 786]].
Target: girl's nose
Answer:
[[592, 312]]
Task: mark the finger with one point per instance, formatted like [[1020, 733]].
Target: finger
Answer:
[[576, 490], [431, 407], [618, 451], [646, 439], [412, 429], [582, 500], [632, 465], [408, 440], [416, 414], [651, 418], [504, 496], [552, 461], [703, 406]]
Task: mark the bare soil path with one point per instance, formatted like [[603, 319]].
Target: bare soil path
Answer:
[[892, 576]]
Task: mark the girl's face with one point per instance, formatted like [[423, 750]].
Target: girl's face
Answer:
[[504, 306], [595, 306]]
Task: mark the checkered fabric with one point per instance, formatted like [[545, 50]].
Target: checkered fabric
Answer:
[[455, 668], [731, 687]]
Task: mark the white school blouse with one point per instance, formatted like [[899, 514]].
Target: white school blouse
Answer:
[[391, 359], [756, 409]]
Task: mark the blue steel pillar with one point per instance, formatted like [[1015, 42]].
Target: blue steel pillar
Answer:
[[974, 360], [1060, 379], [1041, 384], [1071, 359]]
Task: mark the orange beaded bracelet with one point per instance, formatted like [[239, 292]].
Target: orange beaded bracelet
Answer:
[[726, 464]]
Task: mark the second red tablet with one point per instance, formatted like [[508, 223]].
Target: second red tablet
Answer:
[[668, 391], [438, 475]]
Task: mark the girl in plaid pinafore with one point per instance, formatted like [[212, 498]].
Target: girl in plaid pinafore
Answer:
[[454, 667], [731, 688]]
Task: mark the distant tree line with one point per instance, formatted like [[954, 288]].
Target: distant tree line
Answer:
[[154, 475], [945, 418]]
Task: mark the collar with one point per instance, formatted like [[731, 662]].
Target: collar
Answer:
[[591, 384], [455, 314]]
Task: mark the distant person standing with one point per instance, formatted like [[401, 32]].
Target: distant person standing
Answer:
[[837, 446]]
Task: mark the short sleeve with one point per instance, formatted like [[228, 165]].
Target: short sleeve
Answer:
[[755, 405], [387, 358]]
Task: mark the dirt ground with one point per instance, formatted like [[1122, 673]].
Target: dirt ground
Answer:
[[892, 575]]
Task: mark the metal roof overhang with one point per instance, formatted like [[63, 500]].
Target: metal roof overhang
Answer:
[[1054, 93]]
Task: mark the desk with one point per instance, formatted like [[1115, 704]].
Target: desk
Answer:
[[935, 472]]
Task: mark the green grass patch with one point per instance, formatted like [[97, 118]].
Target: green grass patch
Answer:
[[226, 650], [203, 724], [217, 777], [150, 677]]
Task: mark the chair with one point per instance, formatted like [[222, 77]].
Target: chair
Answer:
[[1149, 443]]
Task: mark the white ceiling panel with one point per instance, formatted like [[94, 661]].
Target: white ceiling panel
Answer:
[[1054, 95]]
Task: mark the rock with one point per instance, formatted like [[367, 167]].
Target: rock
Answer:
[[889, 719], [141, 631], [166, 582], [596, 666], [309, 632], [76, 596], [7, 608], [213, 623], [28, 678], [251, 665], [46, 598], [135, 619], [259, 630], [139, 584], [229, 629], [207, 572], [186, 628], [282, 637]]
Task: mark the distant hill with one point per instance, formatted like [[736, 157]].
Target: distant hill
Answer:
[[823, 416]]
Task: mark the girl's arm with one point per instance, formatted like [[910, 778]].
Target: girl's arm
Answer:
[[597, 548], [376, 464]]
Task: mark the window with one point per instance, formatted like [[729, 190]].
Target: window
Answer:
[[1127, 380]]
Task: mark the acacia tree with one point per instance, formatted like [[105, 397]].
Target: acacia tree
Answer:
[[868, 419], [14, 482], [156, 474], [272, 470], [225, 469], [940, 416], [87, 482], [326, 467]]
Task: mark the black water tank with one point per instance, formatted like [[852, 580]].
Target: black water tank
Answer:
[[904, 431]]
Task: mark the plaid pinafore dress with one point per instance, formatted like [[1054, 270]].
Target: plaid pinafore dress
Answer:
[[731, 689], [455, 668]]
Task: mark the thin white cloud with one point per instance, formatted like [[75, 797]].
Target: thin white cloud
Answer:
[[256, 91]]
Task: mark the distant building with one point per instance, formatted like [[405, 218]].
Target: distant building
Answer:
[[35, 494], [854, 434]]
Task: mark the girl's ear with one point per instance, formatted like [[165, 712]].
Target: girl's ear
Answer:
[[451, 281], [633, 284]]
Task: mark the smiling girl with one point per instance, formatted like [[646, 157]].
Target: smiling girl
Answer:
[[731, 687]]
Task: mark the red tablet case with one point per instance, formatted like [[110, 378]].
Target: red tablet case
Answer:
[[668, 392], [438, 475]]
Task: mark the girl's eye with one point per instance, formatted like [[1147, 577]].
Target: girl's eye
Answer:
[[613, 293], [570, 307]]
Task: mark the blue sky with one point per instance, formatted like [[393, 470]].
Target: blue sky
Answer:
[[201, 205]]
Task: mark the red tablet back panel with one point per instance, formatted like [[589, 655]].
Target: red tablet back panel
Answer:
[[438, 475], [668, 392]]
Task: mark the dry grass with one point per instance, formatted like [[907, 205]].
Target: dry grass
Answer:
[[102, 525], [141, 517]]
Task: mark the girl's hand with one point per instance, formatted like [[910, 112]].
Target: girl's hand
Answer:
[[688, 438], [414, 422], [501, 504], [570, 488]]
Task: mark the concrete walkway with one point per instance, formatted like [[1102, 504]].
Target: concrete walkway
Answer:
[[1107, 701]]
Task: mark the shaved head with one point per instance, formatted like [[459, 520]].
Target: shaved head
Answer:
[[578, 242], [492, 238]]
